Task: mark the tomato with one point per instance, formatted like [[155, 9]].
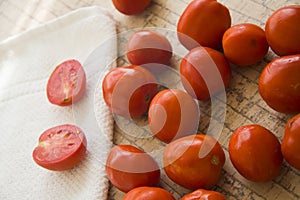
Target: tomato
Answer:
[[202, 194], [290, 145], [203, 22], [131, 7], [148, 193], [173, 114], [128, 167], [128, 90], [204, 72], [283, 30], [279, 84], [245, 44], [60, 148], [66, 84], [194, 161], [255, 153]]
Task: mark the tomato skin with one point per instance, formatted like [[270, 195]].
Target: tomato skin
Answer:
[[66, 84], [202, 194], [245, 44], [283, 30], [199, 15], [148, 193], [194, 161], [71, 147], [131, 7], [128, 90], [204, 64], [255, 153], [290, 145], [279, 84], [128, 167]]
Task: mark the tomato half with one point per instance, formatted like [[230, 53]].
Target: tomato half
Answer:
[[148, 193], [60, 148], [131, 7], [128, 167], [255, 153], [66, 84], [194, 161], [202, 194]]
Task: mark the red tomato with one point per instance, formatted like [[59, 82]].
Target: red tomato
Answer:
[[128, 167], [203, 23], [290, 145], [204, 72], [194, 161], [148, 193], [128, 90], [245, 44], [60, 148], [255, 153], [131, 7], [173, 114], [202, 194], [66, 84], [283, 30], [279, 84]]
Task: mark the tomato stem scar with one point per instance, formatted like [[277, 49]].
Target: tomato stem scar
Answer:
[[215, 160]]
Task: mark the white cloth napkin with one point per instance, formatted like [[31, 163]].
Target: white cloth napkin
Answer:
[[26, 62]]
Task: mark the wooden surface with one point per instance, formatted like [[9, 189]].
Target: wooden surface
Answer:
[[243, 105]]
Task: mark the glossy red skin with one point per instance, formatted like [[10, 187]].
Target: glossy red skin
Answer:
[[128, 167], [255, 153], [184, 165], [245, 44], [148, 193], [128, 90], [213, 67], [290, 145], [67, 140], [66, 84], [203, 22], [202, 194], [173, 114], [131, 7], [283, 30], [279, 84]]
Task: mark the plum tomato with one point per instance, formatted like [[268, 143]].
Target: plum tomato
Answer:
[[66, 84], [204, 72], [60, 147], [203, 22], [290, 145], [194, 161], [202, 194], [128, 90], [283, 30], [279, 84], [173, 114], [255, 153], [148, 193], [129, 167], [131, 7], [245, 44]]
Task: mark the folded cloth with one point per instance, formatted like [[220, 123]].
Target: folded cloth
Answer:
[[26, 62]]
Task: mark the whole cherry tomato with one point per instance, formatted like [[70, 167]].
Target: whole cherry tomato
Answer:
[[128, 167], [131, 7], [194, 161], [279, 84], [128, 90], [173, 114], [148, 193], [283, 30], [290, 145], [204, 72], [202, 194], [60, 148], [203, 23], [255, 153], [245, 44], [66, 84]]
